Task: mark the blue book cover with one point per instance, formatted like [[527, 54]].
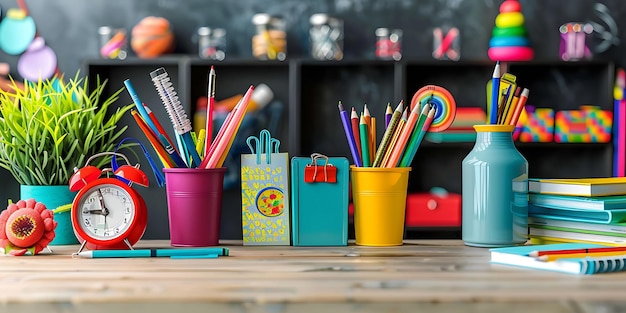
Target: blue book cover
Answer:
[[576, 202], [591, 216], [520, 256]]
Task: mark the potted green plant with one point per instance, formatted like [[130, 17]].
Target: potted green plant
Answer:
[[50, 127]]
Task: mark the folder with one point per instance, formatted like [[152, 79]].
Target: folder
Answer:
[[320, 187]]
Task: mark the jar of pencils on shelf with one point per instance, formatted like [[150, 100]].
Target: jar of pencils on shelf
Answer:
[[495, 190]]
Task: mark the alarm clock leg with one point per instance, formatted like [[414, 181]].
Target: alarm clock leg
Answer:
[[128, 244]]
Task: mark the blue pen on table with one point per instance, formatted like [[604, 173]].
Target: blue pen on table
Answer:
[[347, 127], [495, 94], [153, 253]]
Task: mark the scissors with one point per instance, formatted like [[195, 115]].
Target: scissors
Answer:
[[265, 144]]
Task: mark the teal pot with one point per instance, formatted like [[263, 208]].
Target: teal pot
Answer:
[[54, 197]]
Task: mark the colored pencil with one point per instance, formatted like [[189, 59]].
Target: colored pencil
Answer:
[[219, 135], [354, 119], [372, 127], [388, 114], [364, 133], [368, 120], [345, 120], [157, 124], [511, 108], [554, 257], [231, 131], [409, 129], [621, 136], [209, 110], [422, 127], [384, 143], [520, 106], [154, 142], [495, 94], [394, 139], [571, 251], [502, 104]]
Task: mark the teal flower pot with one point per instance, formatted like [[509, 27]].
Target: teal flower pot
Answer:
[[54, 197]]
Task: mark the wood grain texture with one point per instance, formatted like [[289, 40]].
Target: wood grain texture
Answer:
[[420, 274]]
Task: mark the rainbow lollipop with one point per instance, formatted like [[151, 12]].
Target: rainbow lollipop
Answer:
[[442, 100]]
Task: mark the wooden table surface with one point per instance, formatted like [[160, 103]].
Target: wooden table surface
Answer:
[[433, 275]]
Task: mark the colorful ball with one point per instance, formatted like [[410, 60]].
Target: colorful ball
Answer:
[[152, 37]]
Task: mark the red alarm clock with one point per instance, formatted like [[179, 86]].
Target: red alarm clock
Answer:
[[107, 213]]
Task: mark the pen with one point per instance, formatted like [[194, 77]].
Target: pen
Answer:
[[495, 94], [153, 253]]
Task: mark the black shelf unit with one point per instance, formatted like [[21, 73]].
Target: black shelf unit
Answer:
[[310, 91]]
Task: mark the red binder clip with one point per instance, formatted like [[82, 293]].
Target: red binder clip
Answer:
[[314, 173]]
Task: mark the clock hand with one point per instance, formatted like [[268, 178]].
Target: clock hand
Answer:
[[104, 210]]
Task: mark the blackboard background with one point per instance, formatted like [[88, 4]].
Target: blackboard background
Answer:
[[70, 28]]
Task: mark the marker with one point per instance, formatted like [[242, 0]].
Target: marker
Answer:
[[153, 253]]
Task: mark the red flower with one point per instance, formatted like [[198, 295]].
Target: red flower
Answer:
[[26, 226]]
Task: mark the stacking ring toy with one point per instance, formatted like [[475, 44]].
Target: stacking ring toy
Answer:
[[442, 100], [510, 19], [513, 41], [506, 54], [508, 31]]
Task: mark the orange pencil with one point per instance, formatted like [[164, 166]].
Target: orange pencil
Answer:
[[154, 142], [520, 106]]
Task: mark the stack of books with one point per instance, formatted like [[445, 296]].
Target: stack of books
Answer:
[[584, 210]]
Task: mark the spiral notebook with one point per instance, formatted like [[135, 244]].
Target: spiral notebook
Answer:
[[519, 256]]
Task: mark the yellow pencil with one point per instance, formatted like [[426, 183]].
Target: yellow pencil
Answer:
[[384, 143], [394, 141]]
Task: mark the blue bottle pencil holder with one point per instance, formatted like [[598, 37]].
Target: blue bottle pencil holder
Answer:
[[495, 190]]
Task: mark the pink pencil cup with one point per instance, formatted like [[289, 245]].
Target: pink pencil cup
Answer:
[[194, 204]]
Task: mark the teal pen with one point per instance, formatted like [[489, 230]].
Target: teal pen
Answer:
[[153, 253]]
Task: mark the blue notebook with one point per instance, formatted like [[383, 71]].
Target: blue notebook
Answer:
[[519, 256], [577, 215], [319, 201]]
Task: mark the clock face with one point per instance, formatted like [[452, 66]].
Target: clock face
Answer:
[[105, 211]]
